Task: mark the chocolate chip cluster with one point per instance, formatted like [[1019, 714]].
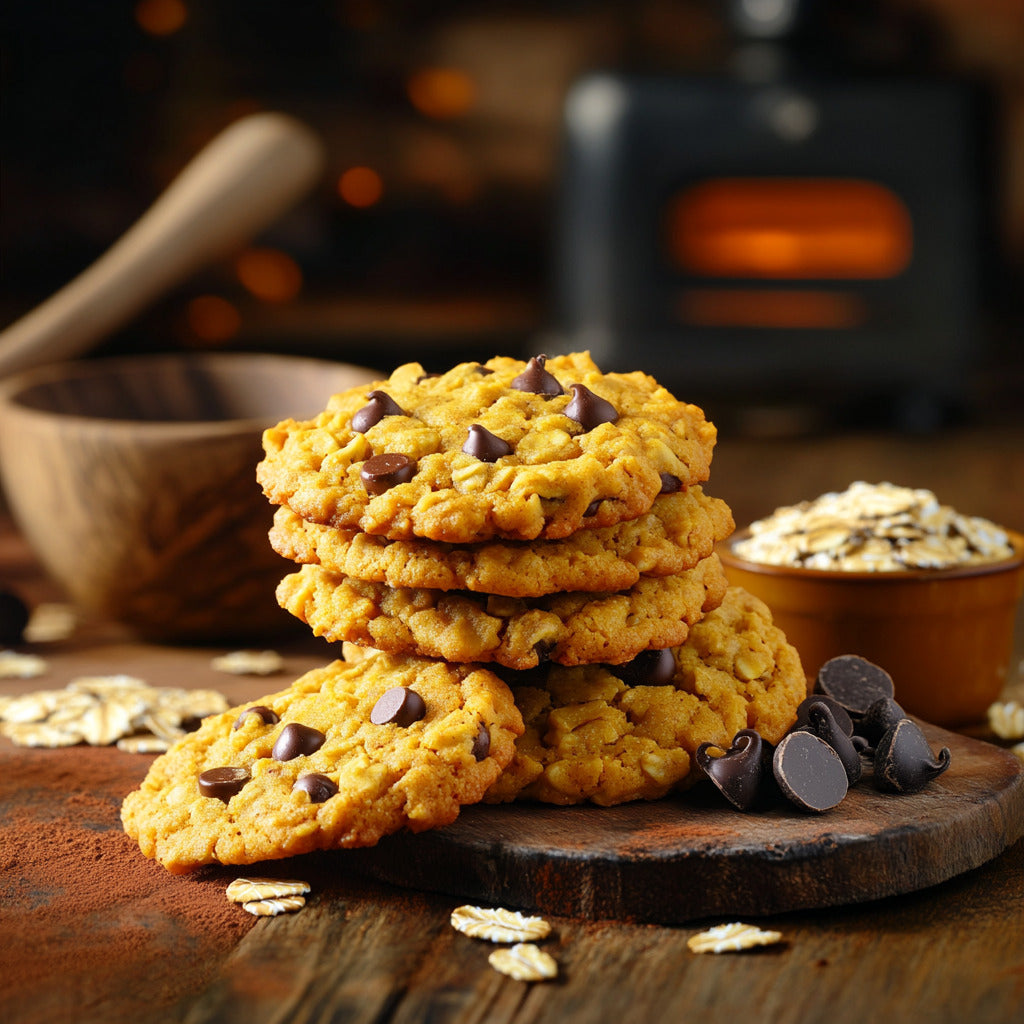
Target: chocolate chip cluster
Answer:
[[849, 725]]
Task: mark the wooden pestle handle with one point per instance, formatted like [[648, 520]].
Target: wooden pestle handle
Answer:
[[238, 184]]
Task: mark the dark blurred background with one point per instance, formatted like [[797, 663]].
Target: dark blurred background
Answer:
[[797, 214]]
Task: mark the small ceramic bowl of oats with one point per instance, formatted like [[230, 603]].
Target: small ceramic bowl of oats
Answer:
[[891, 574]]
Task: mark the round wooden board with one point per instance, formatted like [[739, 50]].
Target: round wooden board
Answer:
[[691, 856]]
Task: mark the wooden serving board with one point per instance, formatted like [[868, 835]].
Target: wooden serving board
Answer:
[[692, 856]]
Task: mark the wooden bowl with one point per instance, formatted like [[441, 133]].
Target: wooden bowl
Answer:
[[945, 636], [133, 480]]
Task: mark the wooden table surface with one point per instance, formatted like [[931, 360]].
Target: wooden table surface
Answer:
[[365, 951]]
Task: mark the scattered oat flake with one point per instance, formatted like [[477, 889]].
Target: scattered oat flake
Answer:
[[731, 938], [524, 962], [21, 666], [271, 908], [49, 622], [248, 890], [39, 734], [1006, 719], [249, 663], [497, 924], [143, 744], [100, 686]]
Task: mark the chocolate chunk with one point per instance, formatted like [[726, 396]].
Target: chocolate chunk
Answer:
[[536, 380], [296, 740], [400, 706], [904, 763], [261, 711], [839, 713], [648, 668], [481, 743], [377, 407], [484, 445], [484, 371], [879, 718], [809, 772], [740, 773], [382, 472], [13, 617], [822, 722], [319, 787], [591, 509], [427, 376], [589, 410], [854, 681], [670, 484], [223, 783]]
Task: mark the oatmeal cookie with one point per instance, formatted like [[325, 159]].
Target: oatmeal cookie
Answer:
[[674, 536], [343, 756], [609, 734], [504, 449]]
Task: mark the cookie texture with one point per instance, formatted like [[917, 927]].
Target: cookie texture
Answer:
[[458, 626], [674, 536], [488, 451], [603, 734], [314, 766]]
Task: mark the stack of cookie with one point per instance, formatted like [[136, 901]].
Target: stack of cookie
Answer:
[[518, 562]]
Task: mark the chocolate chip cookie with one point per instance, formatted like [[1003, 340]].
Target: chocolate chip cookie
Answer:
[[504, 449], [568, 628], [343, 756]]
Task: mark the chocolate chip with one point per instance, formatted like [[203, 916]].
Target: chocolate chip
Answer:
[[591, 509], [296, 740], [854, 681], [484, 445], [484, 371], [839, 713], [382, 472], [223, 783], [589, 410], [809, 772], [319, 787], [398, 706], [670, 484], [648, 668], [879, 718], [822, 722], [740, 773], [481, 743], [427, 376], [536, 380], [377, 407], [261, 711], [904, 763], [13, 617]]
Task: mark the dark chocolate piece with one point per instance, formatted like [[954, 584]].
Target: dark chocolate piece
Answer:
[[839, 713], [904, 763], [822, 722], [382, 472], [809, 772], [589, 410], [378, 406], [13, 617], [854, 681], [261, 711], [670, 484], [591, 509], [739, 773], [484, 445], [648, 668], [319, 787], [536, 380], [398, 706], [879, 718], [481, 742], [295, 740], [223, 783]]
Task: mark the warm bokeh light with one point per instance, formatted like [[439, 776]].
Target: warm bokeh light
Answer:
[[798, 309], [213, 319], [269, 274], [441, 92], [160, 17], [360, 186]]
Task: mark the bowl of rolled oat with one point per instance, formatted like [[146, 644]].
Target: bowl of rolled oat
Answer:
[[891, 574]]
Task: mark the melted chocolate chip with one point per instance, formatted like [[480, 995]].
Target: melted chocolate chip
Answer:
[[648, 668], [591, 509], [377, 407], [484, 371], [319, 787], [398, 706], [484, 445], [13, 617], [223, 783], [670, 484], [382, 472], [536, 380], [854, 682], [740, 773], [261, 711], [296, 740], [904, 763], [809, 772], [589, 410], [481, 743], [822, 722]]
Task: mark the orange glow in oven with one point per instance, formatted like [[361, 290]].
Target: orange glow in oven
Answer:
[[790, 229]]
